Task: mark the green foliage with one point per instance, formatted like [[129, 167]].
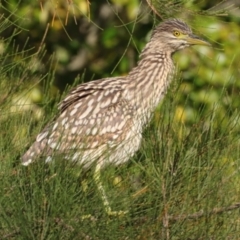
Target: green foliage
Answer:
[[183, 182]]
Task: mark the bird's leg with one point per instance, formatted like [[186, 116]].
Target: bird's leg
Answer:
[[97, 180], [103, 194]]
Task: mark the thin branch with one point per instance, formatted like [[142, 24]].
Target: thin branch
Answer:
[[165, 219], [9, 235], [43, 39], [202, 213], [150, 4]]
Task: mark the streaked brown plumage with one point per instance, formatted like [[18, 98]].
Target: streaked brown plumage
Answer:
[[102, 121]]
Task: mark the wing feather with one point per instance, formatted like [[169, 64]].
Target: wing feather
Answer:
[[93, 114]]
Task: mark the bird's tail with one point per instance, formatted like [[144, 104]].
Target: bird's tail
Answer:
[[38, 148]]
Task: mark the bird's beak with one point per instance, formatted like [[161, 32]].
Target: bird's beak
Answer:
[[195, 40]]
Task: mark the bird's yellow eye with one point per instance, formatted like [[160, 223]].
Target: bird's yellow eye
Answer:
[[176, 33]]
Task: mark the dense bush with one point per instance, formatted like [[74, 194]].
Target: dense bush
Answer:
[[185, 178]]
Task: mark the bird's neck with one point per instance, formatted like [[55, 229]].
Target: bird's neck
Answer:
[[149, 80]]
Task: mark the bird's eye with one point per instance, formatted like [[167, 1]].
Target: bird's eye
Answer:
[[176, 33]]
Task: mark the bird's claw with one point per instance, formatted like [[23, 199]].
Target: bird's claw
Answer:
[[109, 212], [116, 213]]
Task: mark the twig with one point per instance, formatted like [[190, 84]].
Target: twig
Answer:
[[202, 213], [165, 220], [150, 4], [43, 39], [7, 236]]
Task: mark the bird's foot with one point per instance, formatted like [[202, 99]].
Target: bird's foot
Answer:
[[87, 216], [109, 212]]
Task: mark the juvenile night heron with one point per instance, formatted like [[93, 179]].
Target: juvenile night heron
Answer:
[[101, 122]]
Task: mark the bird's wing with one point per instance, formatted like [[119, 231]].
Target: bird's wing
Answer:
[[92, 115], [83, 92]]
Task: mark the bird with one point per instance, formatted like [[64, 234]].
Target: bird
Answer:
[[101, 122]]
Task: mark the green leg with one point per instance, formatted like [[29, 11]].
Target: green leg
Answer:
[[106, 204]]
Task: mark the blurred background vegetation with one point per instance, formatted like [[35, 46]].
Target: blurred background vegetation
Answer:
[[47, 45], [96, 39]]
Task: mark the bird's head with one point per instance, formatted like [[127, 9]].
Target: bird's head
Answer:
[[174, 35]]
